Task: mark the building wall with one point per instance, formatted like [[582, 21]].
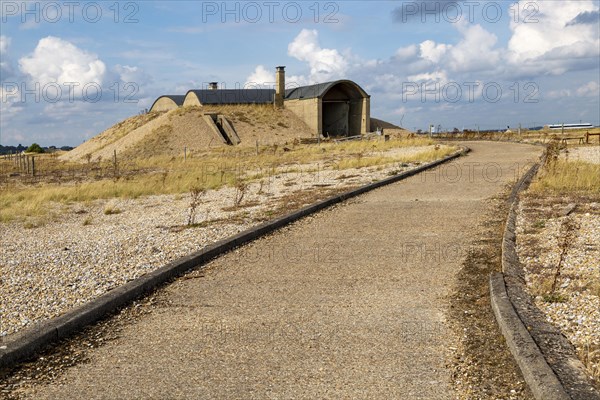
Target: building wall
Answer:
[[366, 116], [164, 104], [191, 100], [311, 112], [308, 110]]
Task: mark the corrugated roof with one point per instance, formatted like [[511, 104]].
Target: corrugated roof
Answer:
[[318, 90], [260, 96], [307, 92], [234, 96]]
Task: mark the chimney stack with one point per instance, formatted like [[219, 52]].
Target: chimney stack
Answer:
[[279, 86], [213, 85]]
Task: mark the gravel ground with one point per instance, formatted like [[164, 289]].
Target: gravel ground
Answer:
[[575, 305], [589, 154], [47, 270]]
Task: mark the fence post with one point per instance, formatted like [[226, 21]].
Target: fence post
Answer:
[[115, 161], [33, 166]]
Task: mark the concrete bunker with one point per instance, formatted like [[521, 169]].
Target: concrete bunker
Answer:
[[339, 108], [167, 103], [331, 109]]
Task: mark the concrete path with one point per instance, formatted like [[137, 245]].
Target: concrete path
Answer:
[[347, 304]]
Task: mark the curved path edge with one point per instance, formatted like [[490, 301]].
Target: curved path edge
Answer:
[[515, 315], [23, 345]]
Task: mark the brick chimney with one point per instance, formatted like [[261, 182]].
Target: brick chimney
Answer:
[[279, 86]]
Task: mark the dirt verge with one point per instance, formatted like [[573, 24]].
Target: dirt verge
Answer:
[[483, 367]]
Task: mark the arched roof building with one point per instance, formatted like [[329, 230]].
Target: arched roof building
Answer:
[[167, 103], [337, 108]]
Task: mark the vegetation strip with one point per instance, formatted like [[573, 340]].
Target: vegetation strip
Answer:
[[565, 378], [26, 343]]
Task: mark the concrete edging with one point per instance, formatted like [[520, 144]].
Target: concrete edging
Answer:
[[540, 378], [25, 344], [529, 337]]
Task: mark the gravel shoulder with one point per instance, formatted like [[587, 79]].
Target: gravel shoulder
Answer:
[[562, 274], [349, 303], [557, 243]]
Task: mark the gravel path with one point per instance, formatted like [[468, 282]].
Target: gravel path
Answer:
[[349, 303]]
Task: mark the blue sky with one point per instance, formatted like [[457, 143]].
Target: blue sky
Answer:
[[484, 64]]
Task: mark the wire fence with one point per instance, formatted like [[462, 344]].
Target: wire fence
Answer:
[[19, 168]]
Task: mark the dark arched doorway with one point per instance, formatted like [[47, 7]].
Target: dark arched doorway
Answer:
[[343, 109]]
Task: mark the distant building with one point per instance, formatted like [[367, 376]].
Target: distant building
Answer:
[[338, 108], [570, 126]]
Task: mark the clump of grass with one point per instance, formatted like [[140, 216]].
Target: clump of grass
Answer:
[[34, 223], [590, 355], [544, 288], [111, 209], [554, 297], [87, 221]]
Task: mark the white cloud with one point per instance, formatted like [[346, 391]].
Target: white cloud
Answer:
[[591, 89], [405, 53], [10, 104], [475, 51], [128, 73], [554, 35], [261, 76], [5, 64], [9, 91], [434, 77], [4, 43], [433, 52], [294, 81], [325, 64], [57, 60]]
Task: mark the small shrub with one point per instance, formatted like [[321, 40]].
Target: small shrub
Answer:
[[240, 192], [35, 148], [195, 195]]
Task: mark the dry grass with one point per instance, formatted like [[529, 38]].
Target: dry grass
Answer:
[[541, 136], [569, 177], [226, 166]]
